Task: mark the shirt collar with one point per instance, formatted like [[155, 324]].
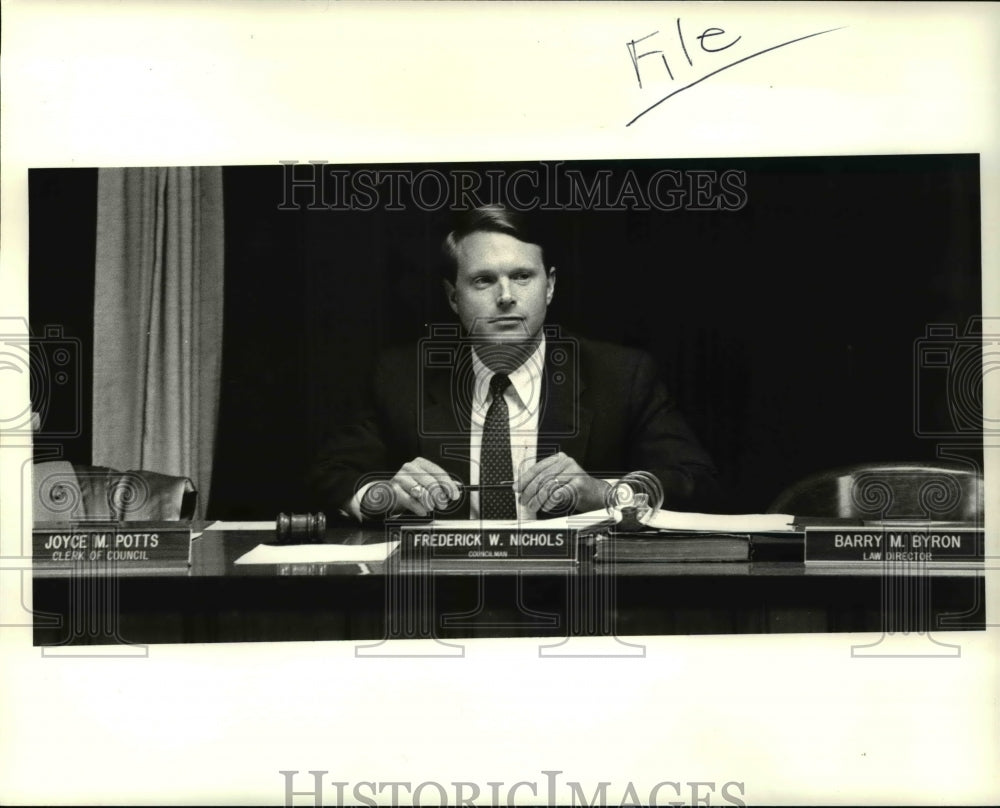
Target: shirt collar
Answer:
[[525, 380]]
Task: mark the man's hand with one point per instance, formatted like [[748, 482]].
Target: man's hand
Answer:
[[557, 482], [419, 486]]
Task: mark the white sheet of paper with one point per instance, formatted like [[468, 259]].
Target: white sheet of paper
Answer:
[[220, 525], [720, 523], [317, 553]]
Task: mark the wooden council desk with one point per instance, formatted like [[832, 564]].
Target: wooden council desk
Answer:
[[218, 601]]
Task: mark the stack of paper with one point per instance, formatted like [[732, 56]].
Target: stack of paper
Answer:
[[317, 553], [721, 523]]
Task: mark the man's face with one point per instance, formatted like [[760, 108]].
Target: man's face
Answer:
[[501, 291]]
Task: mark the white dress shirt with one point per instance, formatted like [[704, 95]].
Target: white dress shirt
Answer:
[[524, 398]]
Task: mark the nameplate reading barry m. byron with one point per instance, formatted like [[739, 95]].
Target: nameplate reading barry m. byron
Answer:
[[476, 541], [111, 545], [894, 544]]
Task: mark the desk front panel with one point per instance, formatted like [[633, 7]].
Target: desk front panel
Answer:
[[219, 601]]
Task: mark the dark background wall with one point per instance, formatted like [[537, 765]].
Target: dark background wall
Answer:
[[786, 329], [62, 238]]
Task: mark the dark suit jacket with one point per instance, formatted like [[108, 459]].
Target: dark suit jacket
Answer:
[[601, 404]]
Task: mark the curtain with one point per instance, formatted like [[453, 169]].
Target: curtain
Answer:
[[158, 321]]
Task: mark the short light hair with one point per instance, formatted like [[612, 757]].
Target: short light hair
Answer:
[[485, 219]]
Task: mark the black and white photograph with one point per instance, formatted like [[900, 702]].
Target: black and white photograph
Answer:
[[314, 341], [401, 402]]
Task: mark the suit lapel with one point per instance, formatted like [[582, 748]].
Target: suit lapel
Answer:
[[564, 422], [443, 426]]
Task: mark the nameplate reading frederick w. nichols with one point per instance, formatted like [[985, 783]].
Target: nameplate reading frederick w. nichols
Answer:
[[484, 542]]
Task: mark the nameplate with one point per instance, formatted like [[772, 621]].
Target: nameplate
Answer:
[[118, 544], [898, 544], [416, 541]]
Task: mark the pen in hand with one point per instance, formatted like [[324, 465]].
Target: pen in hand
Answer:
[[492, 486], [432, 505]]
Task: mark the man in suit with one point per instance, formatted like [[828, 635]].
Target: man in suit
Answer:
[[537, 420]]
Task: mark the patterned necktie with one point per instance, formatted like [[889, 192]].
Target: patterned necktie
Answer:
[[496, 464]]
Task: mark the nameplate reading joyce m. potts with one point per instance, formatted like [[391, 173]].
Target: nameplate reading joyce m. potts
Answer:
[[474, 540], [885, 543], [111, 545]]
